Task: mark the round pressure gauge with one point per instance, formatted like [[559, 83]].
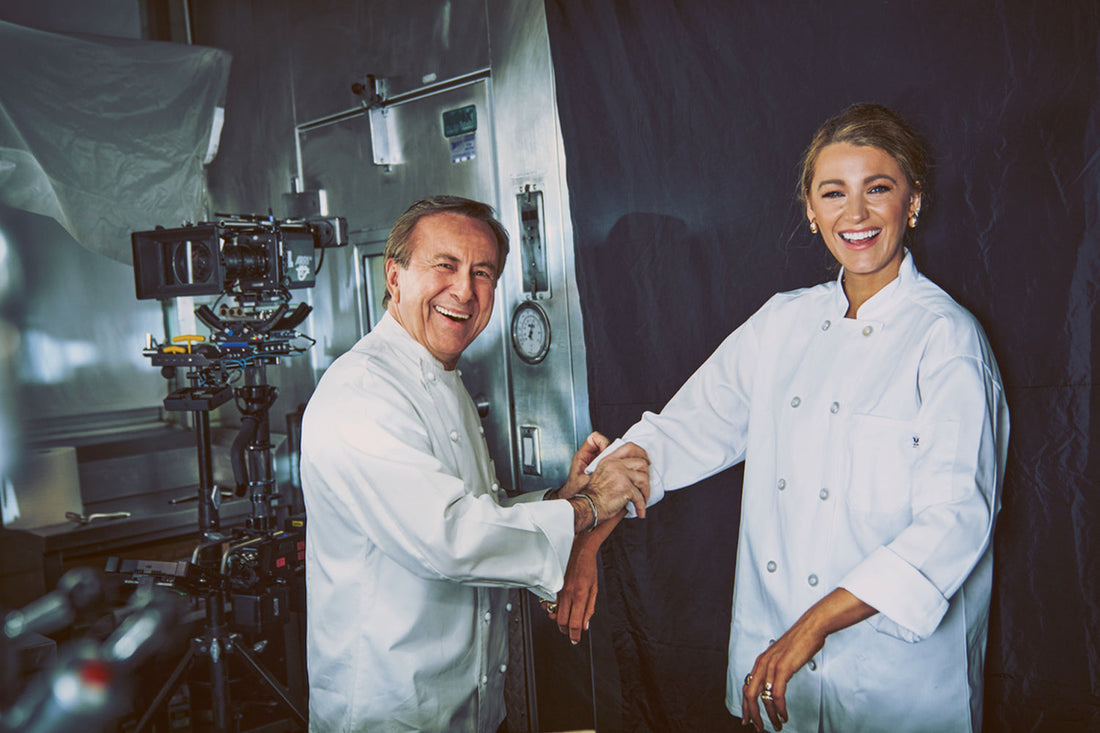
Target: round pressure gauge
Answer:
[[530, 332]]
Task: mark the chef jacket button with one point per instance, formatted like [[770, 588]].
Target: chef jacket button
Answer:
[[488, 616], [812, 580], [771, 641], [772, 566], [484, 679], [812, 665], [825, 326], [503, 668], [458, 372], [796, 402], [834, 408], [868, 330], [454, 436], [495, 487], [824, 494], [431, 376], [508, 608], [481, 429], [781, 484]]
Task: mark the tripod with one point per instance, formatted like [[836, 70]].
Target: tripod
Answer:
[[217, 644]]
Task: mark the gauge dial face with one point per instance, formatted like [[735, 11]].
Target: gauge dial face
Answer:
[[530, 332]]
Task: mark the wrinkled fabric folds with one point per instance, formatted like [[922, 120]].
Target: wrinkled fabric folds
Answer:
[[683, 124], [107, 135]]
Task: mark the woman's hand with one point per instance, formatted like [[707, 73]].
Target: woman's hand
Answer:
[[772, 671], [577, 599], [780, 661]]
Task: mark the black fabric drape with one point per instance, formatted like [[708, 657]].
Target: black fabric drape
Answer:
[[683, 125]]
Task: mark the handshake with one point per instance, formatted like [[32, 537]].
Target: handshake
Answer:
[[599, 499], [620, 479]]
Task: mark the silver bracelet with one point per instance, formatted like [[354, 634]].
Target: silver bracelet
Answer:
[[591, 503]]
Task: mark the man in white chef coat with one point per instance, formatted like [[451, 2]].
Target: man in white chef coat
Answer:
[[411, 545]]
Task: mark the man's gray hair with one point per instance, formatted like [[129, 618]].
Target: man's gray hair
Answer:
[[399, 249]]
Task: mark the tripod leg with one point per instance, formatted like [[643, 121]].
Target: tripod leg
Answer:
[[168, 688], [271, 681], [219, 644]]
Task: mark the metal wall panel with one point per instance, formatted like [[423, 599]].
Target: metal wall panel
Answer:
[[550, 395], [336, 43], [337, 157], [82, 329]]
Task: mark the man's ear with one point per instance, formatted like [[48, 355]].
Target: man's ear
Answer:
[[391, 278]]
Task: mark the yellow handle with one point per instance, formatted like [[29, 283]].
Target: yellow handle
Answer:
[[188, 338]]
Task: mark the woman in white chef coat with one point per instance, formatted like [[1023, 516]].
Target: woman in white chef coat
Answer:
[[870, 414]]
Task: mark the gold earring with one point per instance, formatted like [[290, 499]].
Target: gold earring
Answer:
[[913, 220], [813, 227]]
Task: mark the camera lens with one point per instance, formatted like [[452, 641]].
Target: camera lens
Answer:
[[245, 261], [192, 262]]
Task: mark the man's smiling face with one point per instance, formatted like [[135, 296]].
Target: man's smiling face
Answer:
[[444, 298]]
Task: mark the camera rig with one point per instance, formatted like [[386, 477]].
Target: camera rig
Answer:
[[252, 263]]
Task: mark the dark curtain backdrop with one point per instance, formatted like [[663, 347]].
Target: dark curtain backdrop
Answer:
[[683, 125]]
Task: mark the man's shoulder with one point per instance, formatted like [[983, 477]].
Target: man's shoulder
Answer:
[[367, 389], [370, 366]]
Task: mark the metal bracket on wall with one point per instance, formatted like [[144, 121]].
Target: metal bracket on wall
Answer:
[[532, 227], [385, 143]]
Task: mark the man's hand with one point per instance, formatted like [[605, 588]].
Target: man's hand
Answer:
[[621, 478], [593, 445]]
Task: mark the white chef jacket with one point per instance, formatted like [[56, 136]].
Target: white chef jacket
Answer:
[[874, 454], [408, 549]]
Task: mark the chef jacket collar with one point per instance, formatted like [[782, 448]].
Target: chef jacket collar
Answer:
[[879, 304], [394, 334]]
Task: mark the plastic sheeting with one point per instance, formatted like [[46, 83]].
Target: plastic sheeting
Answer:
[[683, 126], [107, 135]]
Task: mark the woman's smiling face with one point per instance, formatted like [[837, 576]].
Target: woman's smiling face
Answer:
[[861, 201]]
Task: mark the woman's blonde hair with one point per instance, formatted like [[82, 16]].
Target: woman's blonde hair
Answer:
[[876, 126]]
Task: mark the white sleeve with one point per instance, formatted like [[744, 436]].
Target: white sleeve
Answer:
[[371, 475], [955, 499], [704, 427]]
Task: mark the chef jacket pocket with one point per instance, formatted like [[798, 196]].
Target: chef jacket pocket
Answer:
[[881, 455]]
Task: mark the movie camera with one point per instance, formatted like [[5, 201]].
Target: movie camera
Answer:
[[249, 255]]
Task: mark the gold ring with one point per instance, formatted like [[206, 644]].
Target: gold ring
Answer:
[[766, 696], [551, 608], [748, 679], [767, 687]]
